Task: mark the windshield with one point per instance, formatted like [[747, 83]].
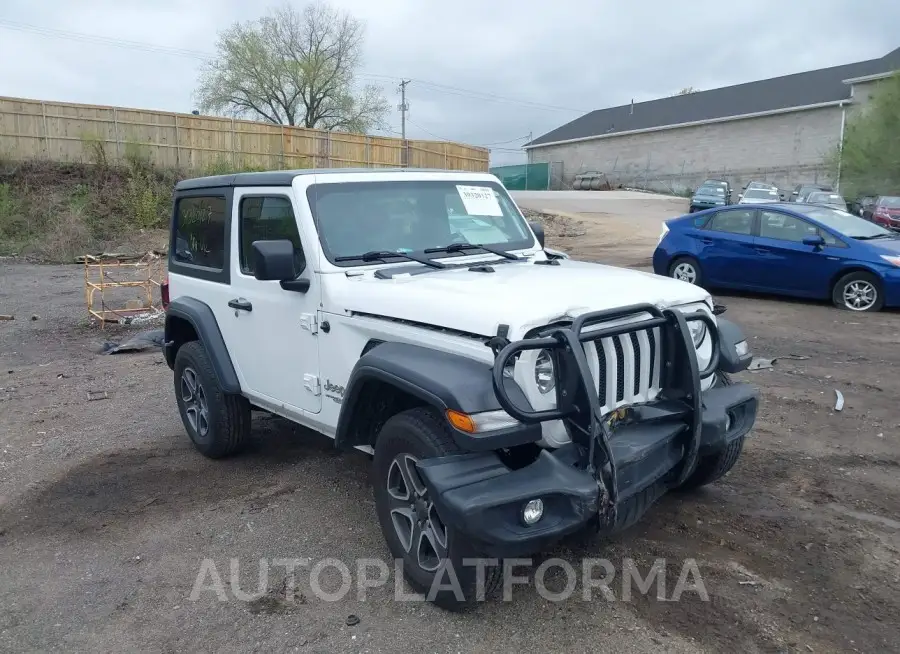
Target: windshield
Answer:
[[761, 194], [892, 202], [353, 218], [843, 222], [825, 198], [710, 190]]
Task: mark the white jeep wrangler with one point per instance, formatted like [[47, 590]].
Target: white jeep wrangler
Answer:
[[510, 397]]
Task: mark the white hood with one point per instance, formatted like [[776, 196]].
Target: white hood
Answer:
[[522, 295]]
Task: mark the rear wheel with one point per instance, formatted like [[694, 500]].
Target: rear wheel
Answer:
[[686, 269], [858, 291], [436, 559]]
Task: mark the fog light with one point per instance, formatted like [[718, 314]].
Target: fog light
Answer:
[[742, 349], [533, 511]]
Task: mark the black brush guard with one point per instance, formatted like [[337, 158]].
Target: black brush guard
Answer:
[[578, 403]]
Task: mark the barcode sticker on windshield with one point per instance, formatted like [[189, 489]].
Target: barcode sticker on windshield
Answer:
[[479, 200]]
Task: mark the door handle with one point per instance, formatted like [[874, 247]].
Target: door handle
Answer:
[[762, 250], [706, 241], [240, 304]]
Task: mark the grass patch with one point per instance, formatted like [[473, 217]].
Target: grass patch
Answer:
[[53, 212]]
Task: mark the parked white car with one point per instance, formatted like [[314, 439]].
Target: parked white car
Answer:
[[508, 397], [759, 195]]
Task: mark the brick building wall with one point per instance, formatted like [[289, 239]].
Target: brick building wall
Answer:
[[785, 149]]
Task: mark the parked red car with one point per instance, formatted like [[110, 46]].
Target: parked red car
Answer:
[[885, 211]]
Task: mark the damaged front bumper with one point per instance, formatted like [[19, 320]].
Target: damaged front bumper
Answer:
[[610, 473]]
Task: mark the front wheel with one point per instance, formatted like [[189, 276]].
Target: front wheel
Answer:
[[713, 467], [858, 291], [437, 560]]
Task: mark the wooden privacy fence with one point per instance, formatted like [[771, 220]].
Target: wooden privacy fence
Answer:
[[66, 132]]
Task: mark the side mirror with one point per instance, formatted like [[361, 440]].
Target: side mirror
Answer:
[[814, 241], [556, 254], [538, 230], [274, 261], [740, 196]]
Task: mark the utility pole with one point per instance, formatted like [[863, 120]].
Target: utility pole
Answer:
[[527, 164], [403, 107]]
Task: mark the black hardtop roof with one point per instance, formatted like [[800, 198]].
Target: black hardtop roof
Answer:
[[286, 177]]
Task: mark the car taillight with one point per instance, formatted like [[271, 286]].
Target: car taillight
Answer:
[[164, 293]]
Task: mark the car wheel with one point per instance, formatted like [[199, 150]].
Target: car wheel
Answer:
[[432, 553], [686, 269], [713, 467], [217, 423], [858, 291], [691, 210]]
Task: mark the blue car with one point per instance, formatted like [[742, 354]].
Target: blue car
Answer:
[[789, 249]]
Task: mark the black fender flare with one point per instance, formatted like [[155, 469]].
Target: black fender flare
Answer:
[[199, 316], [729, 336], [439, 379]]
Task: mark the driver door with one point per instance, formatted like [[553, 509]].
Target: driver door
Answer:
[[272, 332], [789, 266]]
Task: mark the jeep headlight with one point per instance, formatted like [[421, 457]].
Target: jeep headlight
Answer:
[[543, 372], [698, 332]]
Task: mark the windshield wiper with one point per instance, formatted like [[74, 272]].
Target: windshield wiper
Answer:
[[461, 247], [381, 255], [869, 238]]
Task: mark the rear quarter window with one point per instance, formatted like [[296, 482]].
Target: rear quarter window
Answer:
[[199, 232]]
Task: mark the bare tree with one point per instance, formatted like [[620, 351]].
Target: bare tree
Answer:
[[293, 68], [687, 90]]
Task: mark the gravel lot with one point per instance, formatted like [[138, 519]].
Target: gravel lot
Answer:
[[107, 513]]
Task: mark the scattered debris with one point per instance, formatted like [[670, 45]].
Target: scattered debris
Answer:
[[137, 343], [748, 583], [839, 403], [6, 316], [97, 395], [794, 357], [34, 316], [758, 363], [352, 620], [143, 318]]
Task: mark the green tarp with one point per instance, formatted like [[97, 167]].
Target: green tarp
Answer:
[[524, 177]]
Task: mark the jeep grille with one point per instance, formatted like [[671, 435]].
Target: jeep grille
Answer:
[[627, 368]]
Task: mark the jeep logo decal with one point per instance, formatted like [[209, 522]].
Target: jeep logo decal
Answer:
[[333, 388]]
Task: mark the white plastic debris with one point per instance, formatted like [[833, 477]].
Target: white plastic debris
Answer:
[[839, 404]]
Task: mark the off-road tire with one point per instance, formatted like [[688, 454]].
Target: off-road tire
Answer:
[[228, 416], [698, 280], [422, 433], [837, 293], [713, 467]]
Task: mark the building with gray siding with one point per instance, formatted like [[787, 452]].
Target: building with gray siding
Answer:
[[782, 130]]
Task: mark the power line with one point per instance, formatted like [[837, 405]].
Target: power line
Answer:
[[521, 138], [431, 134], [452, 90], [206, 56]]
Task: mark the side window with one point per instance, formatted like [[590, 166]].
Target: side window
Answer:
[[784, 227], [735, 221], [268, 218], [200, 237]]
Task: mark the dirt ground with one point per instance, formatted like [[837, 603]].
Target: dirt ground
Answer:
[[107, 513]]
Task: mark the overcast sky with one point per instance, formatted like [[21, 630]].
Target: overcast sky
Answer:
[[485, 72]]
